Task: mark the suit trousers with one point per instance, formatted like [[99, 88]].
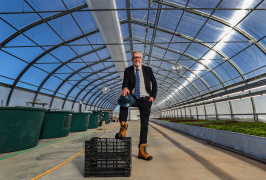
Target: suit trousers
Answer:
[[144, 106]]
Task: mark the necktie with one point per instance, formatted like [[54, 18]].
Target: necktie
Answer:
[[137, 84]]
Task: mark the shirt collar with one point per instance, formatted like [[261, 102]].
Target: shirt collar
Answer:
[[140, 68]]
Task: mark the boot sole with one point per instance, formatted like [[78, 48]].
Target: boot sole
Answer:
[[149, 158], [119, 136]]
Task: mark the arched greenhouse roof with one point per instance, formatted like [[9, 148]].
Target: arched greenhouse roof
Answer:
[[65, 52]]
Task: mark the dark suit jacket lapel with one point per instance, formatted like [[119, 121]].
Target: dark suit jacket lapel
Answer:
[[144, 70], [133, 75]]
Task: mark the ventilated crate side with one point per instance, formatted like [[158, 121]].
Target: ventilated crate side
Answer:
[[108, 157]]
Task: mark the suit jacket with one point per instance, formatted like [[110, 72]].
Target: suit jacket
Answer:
[[129, 80]]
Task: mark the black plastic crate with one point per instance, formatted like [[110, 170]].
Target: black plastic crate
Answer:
[[108, 157]]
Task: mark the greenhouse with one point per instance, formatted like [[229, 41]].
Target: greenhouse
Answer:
[[193, 72]]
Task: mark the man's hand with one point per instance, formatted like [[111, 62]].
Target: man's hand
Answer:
[[151, 99], [125, 91]]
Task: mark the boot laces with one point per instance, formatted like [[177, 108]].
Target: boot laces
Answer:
[[144, 148], [123, 128]]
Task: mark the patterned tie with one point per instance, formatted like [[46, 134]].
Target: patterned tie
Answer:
[[137, 84]]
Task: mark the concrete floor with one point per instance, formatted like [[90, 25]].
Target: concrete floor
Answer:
[[176, 156]]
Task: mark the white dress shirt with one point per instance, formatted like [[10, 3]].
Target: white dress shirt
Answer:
[[143, 91]]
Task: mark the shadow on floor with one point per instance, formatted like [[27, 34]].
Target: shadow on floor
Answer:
[[208, 165], [79, 164]]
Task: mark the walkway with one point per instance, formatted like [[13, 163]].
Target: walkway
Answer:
[[176, 156]]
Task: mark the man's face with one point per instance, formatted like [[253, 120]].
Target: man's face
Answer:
[[137, 60]]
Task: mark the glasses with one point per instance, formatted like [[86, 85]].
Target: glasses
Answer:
[[136, 57]]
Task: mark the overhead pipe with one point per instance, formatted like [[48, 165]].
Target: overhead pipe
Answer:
[[109, 26]]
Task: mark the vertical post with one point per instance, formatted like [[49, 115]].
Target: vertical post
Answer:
[[231, 111], [254, 110], [190, 112], [205, 112], [197, 113], [216, 112]]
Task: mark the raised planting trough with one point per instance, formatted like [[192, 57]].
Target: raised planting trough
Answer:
[[248, 144]]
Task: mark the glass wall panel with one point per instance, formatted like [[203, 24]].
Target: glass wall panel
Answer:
[[210, 112], [262, 118], [76, 107], [260, 104], [194, 111], [57, 103], [3, 95], [188, 112], [242, 106], [44, 99], [180, 113], [20, 98], [210, 109], [183, 113], [223, 108], [68, 105], [246, 118], [201, 110]]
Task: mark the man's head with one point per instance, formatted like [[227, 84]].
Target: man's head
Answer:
[[137, 58]]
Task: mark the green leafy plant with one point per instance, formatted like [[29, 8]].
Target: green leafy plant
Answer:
[[251, 128]]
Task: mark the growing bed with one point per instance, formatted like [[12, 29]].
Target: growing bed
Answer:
[[240, 136]]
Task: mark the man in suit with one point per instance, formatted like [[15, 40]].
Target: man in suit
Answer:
[[137, 81]]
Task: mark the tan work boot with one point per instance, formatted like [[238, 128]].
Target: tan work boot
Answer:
[[123, 131], [142, 153]]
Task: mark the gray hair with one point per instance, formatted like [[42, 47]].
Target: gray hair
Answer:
[[138, 53]]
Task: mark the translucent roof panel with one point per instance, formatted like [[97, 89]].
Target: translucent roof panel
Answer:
[[204, 4], [55, 48], [212, 31], [190, 24], [120, 5], [250, 59], [170, 16]]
